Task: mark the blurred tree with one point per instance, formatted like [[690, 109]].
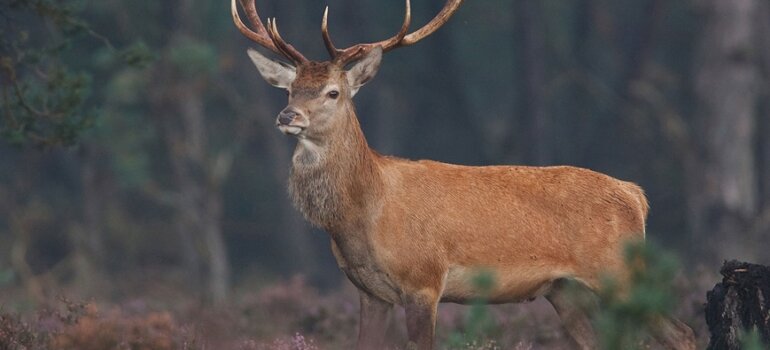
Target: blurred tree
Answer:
[[177, 99], [43, 96], [722, 175], [45, 102], [762, 226]]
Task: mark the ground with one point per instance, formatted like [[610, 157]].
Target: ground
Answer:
[[284, 315]]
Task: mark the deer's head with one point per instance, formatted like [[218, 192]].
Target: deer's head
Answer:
[[320, 93]]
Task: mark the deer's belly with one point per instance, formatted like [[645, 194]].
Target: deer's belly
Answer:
[[496, 285]]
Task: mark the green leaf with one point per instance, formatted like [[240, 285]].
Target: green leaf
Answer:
[[138, 55]]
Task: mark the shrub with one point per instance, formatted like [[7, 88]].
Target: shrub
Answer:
[[626, 316]]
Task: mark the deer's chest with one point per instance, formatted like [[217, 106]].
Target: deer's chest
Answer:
[[359, 263], [314, 194]]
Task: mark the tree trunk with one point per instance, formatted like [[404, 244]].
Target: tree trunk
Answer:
[[722, 193], [183, 193], [199, 202], [178, 104], [87, 240], [763, 42], [218, 263], [24, 214], [92, 205]]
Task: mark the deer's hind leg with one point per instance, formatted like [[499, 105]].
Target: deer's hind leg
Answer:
[[575, 304], [674, 334]]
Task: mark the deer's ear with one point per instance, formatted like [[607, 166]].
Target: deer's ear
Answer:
[[276, 73], [364, 70]]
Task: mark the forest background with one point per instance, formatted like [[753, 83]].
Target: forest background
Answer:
[[139, 158]]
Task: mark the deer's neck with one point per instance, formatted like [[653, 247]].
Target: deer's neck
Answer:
[[336, 181]]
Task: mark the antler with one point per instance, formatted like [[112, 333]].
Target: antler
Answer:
[[267, 37], [399, 40]]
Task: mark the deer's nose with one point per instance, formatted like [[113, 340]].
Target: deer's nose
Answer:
[[286, 117]]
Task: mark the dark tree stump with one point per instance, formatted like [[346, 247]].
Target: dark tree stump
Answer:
[[740, 303]]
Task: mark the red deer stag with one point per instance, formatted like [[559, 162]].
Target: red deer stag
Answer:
[[415, 233]]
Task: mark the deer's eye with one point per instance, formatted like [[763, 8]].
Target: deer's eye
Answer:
[[333, 94]]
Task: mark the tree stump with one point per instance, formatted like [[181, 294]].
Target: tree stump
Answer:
[[739, 304]]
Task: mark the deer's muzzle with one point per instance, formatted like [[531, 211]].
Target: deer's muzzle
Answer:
[[286, 117], [291, 122]]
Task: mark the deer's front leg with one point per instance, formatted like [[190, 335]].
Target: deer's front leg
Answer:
[[421, 320], [373, 323]]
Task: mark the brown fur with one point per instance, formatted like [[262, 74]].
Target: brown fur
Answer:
[[311, 78], [415, 233]]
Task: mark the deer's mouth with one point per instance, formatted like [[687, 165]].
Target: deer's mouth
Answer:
[[291, 129], [294, 124]]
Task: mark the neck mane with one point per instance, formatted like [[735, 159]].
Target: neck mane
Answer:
[[335, 180]]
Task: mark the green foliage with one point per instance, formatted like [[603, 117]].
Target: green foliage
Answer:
[[48, 111], [45, 100], [628, 314], [479, 323], [138, 55], [60, 14], [751, 340]]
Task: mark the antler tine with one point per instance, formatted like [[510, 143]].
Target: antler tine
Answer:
[[250, 7], [263, 36], [270, 35], [356, 51], [259, 37], [400, 39], [393, 42], [333, 51], [286, 48], [441, 18]]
